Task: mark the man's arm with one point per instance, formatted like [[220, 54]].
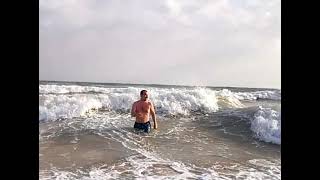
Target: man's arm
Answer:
[[153, 115], [133, 110]]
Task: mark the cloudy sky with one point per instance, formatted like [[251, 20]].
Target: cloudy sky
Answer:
[[184, 42]]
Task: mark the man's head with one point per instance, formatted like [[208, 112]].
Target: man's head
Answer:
[[144, 95]]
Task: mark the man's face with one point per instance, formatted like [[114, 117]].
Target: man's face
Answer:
[[144, 95]]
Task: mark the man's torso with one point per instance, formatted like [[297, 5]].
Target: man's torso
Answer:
[[142, 111]]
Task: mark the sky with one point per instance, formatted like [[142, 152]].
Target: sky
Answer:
[[179, 42]]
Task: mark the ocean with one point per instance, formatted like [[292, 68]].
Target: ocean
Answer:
[[86, 132]]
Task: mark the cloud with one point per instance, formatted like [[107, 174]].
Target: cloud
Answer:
[[121, 41]]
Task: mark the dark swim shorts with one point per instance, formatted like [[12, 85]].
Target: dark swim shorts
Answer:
[[144, 126]]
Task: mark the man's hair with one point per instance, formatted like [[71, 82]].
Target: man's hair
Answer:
[[141, 92]]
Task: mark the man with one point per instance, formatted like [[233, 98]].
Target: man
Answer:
[[141, 110]]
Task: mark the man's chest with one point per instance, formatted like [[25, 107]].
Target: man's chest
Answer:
[[143, 107]]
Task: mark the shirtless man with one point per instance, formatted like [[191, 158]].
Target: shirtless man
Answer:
[[141, 110]]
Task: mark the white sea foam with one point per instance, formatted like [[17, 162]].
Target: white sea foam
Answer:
[[55, 107], [56, 102], [228, 98], [266, 124], [144, 168], [272, 95], [146, 163]]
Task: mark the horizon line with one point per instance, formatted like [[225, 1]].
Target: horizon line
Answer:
[[179, 85]]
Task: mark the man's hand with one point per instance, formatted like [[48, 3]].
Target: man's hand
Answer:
[[155, 126]]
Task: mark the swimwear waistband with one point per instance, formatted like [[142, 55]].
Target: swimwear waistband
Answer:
[[143, 123]]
